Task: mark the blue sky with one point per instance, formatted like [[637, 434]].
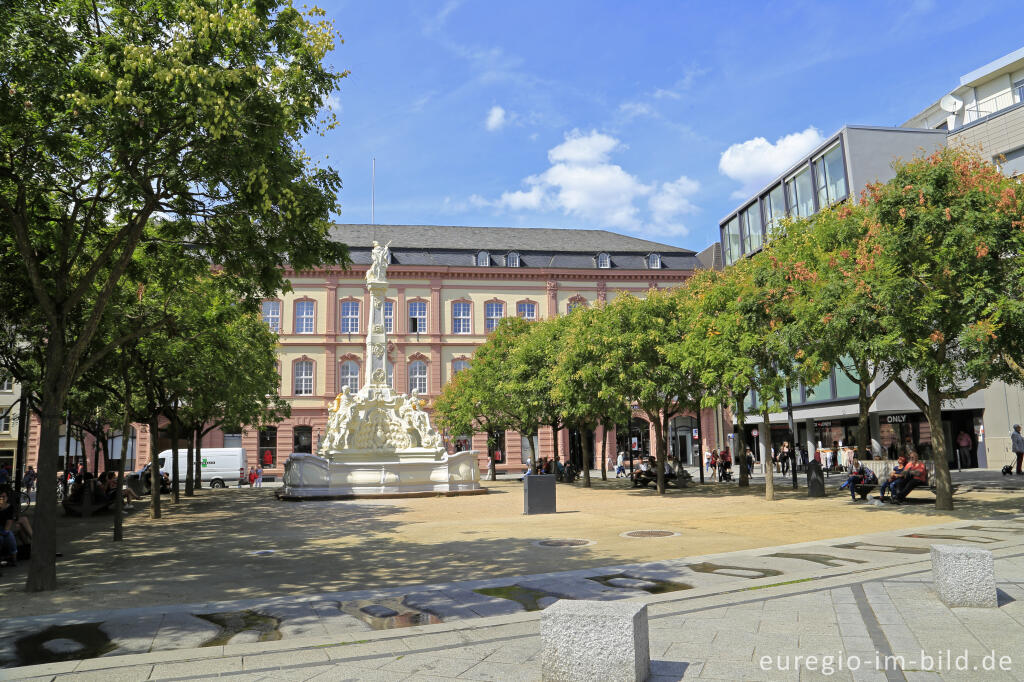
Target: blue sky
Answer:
[[616, 115]]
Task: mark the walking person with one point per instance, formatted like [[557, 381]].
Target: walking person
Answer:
[[963, 449], [784, 456], [252, 476], [1017, 445], [620, 465], [259, 476]]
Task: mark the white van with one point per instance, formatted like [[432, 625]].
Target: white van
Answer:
[[219, 465]]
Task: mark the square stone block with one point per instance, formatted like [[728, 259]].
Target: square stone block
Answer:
[[539, 494], [595, 640], [964, 576]]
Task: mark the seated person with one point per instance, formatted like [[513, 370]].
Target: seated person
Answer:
[[897, 472], [646, 468], [914, 475], [14, 530], [859, 475], [165, 483]]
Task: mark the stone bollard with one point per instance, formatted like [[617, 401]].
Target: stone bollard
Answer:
[[539, 494], [964, 576], [815, 479], [594, 640]]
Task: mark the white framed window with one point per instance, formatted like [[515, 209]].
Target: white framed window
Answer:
[[493, 312], [5, 421], [461, 321], [272, 315], [526, 310], [574, 303], [304, 377], [350, 317], [654, 261], [1018, 88], [512, 259], [348, 375], [305, 317], [459, 366], [389, 317], [417, 317], [7, 385], [418, 376], [483, 259], [604, 260]]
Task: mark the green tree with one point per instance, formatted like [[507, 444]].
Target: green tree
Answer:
[[128, 124], [943, 252]]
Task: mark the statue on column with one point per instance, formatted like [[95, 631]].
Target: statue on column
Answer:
[[378, 271]]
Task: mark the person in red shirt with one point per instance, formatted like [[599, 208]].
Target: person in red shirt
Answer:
[[914, 475]]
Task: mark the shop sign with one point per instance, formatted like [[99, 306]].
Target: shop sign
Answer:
[[696, 433], [823, 425], [895, 419]]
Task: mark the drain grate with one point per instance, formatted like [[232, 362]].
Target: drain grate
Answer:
[[649, 534], [563, 543]]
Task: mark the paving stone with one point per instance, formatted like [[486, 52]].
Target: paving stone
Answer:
[[276, 660], [443, 664], [196, 668], [123, 674], [183, 631], [500, 672]]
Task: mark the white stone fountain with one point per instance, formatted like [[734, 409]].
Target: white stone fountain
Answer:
[[379, 443]]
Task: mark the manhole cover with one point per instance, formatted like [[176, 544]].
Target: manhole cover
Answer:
[[649, 534], [563, 543]]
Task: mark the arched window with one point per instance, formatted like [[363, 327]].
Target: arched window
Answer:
[[493, 312], [303, 377], [654, 261], [604, 260], [305, 316], [418, 376], [512, 259], [348, 375], [459, 366], [483, 259]]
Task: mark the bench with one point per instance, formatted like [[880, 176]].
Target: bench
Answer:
[[86, 507], [863, 489], [647, 477]]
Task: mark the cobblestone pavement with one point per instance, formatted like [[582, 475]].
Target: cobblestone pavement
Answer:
[[797, 612]]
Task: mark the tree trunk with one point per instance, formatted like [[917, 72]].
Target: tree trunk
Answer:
[[863, 427], [42, 572], [533, 453], [943, 482], [741, 448], [119, 500], [660, 450], [588, 455], [154, 468], [766, 445], [197, 483], [556, 457], [175, 495], [190, 462], [96, 455], [604, 452]]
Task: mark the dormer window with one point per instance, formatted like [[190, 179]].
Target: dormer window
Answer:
[[654, 261], [604, 260], [483, 259], [512, 259]]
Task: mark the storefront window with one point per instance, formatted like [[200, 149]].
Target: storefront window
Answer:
[[303, 439], [268, 447], [845, 388]]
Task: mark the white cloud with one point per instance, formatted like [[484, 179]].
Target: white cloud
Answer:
[[495, 119], [632, 110], [332, 102], [757, 161], [578, 148], [583, 183]]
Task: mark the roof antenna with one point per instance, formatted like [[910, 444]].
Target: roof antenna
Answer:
[[373, 188]]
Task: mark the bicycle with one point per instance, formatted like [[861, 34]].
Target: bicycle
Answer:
[[25, 502]]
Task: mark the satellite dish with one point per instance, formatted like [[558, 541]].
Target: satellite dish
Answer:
[[950, 104]]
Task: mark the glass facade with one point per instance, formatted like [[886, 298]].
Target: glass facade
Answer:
[[775, 208], [750, 222], [731, 241], [830, 176], [800, 195]]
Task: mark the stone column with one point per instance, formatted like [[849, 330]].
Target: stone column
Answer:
[[376, 338]]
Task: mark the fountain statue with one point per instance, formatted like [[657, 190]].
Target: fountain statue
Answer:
[[379, 443]]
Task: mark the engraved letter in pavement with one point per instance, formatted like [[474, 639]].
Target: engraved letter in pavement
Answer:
[[980, 539], [736, 571], [826, 559], [896, 549]]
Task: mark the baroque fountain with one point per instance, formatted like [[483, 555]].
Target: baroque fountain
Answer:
[[379, 443]]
